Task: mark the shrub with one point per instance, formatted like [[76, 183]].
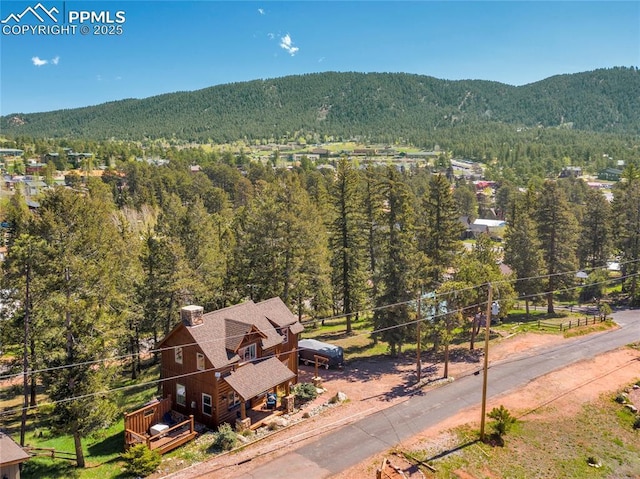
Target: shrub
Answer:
[[225, 438], [141, 461], [621, 398], [503, 420], [593, 461], [304, 392], [636, 423], [605, 310]]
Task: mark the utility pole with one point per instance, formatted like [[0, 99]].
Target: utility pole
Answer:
[[418, 363], [487, 322], [25, 355]]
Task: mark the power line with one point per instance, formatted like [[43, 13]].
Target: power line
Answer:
[[149, 383], [328, 318]]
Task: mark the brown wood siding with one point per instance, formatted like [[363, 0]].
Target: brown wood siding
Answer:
[[196, 383], [187, 374], [224, 413], [141, 420]]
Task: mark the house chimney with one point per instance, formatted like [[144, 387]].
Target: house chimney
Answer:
[[192, 315]]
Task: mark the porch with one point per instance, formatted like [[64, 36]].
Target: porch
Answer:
[[157, 426], [254, 383], [260, 415]]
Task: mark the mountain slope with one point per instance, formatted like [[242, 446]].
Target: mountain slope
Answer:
[[347, 104]]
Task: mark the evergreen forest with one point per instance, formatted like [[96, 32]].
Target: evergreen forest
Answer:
[[95, 275]]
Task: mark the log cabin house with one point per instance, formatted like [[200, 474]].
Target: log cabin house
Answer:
[[221, 365]]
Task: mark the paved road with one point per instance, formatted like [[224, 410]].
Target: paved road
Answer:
[[354, 443]]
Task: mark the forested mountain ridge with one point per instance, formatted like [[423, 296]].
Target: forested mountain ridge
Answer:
[[381, 106]]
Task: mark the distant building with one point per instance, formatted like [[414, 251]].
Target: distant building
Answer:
[[76, 159], [610, 174], [571, 171], [365, 152], [322, 152], [489, 223], [423, 154], [310, 156], [154, 161], [10, 152]]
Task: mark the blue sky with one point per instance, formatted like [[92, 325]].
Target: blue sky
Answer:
[[167, 46]]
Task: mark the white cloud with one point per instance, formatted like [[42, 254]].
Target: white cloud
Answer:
[[320, 60], [38, 62], [261, 11], [287, 44], [271, 36]]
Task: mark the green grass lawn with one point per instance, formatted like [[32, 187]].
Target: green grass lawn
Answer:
[[358, 344], [102, 453], [550, 446], [102, 449], [540, 321]]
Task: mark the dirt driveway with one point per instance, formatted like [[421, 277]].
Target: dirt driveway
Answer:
[[372, 385]]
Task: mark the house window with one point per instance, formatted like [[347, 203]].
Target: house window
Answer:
[[207, 404], [181, 394], [233, 399], [285, 335], [178, 354], [248, 353], [200, 361]]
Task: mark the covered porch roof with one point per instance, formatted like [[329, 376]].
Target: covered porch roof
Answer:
[[253, 379]]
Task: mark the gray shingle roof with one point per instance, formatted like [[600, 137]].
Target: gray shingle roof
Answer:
[[11, 452], [235, 332], [222, 331], [278, 313], [253, 379]]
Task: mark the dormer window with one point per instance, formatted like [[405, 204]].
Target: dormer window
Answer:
[[284, 332], [248, 353], [178, 354]]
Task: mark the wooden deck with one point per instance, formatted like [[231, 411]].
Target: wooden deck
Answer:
[[138, 423]]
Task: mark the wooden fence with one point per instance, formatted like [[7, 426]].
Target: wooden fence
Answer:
[[50, 452], [574, 323]]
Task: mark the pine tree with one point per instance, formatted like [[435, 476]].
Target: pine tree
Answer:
[[441, 230], [523, 253], [347, 242], [558, 234], [397, 275], [281, 248], [595, 237], [22, 287], [626, 208], [373, 202], [81, 331]]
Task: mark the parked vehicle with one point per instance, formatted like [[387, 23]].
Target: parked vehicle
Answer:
[[308, 349]]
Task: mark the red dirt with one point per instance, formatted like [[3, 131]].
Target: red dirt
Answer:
[[385, 380]]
